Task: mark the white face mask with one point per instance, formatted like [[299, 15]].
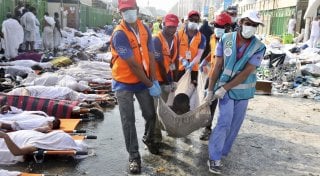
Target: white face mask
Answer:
[[130, 16], [248, 31], [192, 25], [233, 19], [219, 32]]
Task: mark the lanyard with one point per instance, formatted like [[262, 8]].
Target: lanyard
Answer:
[[144, 64]]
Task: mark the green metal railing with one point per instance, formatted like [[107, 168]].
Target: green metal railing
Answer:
[[93, 17], [5, 7], [280, 19]]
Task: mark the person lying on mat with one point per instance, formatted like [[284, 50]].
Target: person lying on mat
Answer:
[[181, 104], [13, 119], [14, 145]]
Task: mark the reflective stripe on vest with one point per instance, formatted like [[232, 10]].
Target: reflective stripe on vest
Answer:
[[213, 45], [184, 47], [232, 66], [121, 71], [166, 53]]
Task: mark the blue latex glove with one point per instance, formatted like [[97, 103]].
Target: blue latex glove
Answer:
[[203, 64], [157, 84], [155, 90], [189, 67], [185, 63]]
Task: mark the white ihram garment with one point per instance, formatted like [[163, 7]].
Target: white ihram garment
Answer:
[[13, 37]]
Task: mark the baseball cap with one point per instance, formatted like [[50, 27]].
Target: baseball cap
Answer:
[[232, 9], [253, 15], [171, 20], [193, 12], [122, 4], [222, 19]]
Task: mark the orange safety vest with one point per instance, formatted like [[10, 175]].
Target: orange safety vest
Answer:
[[167, 57], [120, 69], [184, 47]]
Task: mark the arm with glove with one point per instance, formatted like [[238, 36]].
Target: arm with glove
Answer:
[[195, 60]]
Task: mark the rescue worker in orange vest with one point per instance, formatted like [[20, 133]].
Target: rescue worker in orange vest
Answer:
[[133, 73], [166, 53], [192, 45], [221, 24]]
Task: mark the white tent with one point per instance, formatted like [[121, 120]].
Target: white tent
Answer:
[[312, 8]]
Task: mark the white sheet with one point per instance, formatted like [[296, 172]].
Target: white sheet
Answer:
[[9, 173], [56, 140]]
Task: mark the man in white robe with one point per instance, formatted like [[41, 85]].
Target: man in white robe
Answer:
[[13, 36], [47, 37], [29, 23]]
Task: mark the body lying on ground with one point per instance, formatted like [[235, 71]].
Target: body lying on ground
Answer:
[[60, 93], [14, 119], [14, 145]]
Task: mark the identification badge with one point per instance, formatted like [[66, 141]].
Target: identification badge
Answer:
[[172, 67], [227, 52], [188, 55]]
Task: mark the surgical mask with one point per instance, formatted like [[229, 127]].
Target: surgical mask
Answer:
[[219, 32], [130, 16], [192, 25], [233, 19], [248, 31]]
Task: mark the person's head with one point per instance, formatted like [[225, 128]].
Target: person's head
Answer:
[[171, 22], [20, 4], [193, 20], [128, 10], [249, 23], [233, 12], [46, 13], [292, 16], [221, 24], [181, 103], [56, 14], [55, 124], [316, 18], [5, 109], [182, 20], [33, 10], [37, 68], [9, 15]]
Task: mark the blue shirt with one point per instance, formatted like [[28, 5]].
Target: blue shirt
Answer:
[[255, 60], [202, 44], [120, 43]]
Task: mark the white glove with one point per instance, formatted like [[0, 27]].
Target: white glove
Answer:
[[167, 88], [209, 96], [173, 86], [220, 92]]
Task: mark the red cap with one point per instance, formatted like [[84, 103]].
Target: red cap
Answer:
[[171, 20], [222, 19], [122, 4], [193, 12]]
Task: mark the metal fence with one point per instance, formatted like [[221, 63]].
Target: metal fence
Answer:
[[5, 7], [93, 17], [280, 19]]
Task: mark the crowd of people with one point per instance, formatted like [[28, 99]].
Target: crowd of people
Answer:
[[147, 66], [21, 32]]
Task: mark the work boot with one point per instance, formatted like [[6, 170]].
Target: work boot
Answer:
[[215, 166], [205, 134], [152, 146], [135, 166]]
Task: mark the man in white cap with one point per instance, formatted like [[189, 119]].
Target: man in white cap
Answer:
[[238, 55]]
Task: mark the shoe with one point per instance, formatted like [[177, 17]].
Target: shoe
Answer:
[[215, 166], [152, 147], [205, 134], [135, 166]]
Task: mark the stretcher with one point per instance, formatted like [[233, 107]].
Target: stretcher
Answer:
[[70, 125], [39, 154], [28, 174]]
